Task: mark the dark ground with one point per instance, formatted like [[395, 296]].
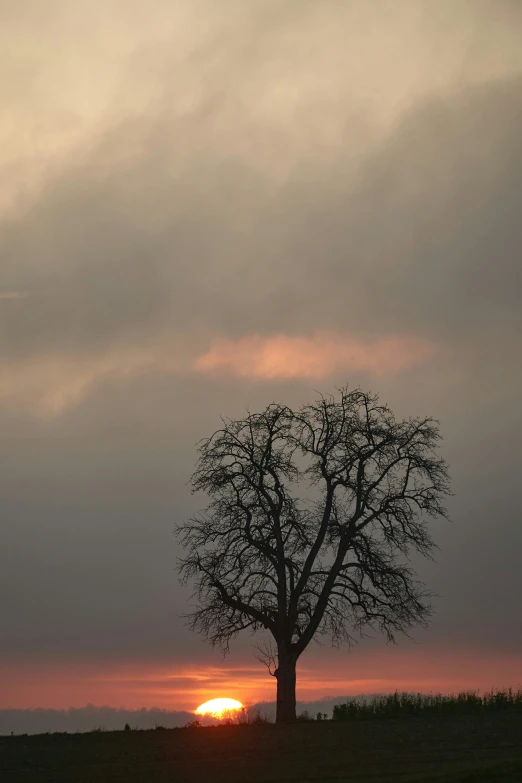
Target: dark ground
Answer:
[[457, 749]]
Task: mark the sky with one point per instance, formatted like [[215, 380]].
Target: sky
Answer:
[[207, 207]]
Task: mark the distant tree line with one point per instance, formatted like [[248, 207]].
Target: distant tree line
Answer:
[[397, 705]]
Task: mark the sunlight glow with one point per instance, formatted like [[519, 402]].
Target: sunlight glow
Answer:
[[217, 708]]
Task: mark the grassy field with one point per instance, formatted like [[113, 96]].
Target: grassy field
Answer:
[[456, 749]]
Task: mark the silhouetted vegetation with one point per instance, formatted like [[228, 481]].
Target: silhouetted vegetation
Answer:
[[399, 705], [244, 717], [305, 717], [252, 717]]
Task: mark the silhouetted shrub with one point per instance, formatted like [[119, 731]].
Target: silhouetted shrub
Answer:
[[257, 718], [192, 724]]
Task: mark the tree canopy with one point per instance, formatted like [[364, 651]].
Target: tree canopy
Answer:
[[312, 517]]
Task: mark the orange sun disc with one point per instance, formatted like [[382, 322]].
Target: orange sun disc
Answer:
[[218, 707]]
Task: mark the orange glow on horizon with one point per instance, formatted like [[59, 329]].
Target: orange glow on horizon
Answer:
[[60, 685]]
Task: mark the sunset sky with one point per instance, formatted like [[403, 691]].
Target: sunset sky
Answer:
[[209, 206]]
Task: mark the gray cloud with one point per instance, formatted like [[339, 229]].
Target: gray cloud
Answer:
[[133, 269], [280, 172], [127, 236], [88, 718]]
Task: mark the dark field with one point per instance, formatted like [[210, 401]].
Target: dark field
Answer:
[[445, 748]]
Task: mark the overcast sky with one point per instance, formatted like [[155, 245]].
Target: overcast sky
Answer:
[[210, 206]]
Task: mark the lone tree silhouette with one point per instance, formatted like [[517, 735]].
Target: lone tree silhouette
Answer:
[[333, 563]]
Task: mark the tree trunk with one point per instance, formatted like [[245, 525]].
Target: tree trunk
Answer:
[[285, 675]]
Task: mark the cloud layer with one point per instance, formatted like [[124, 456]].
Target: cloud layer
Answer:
[[205, 207]]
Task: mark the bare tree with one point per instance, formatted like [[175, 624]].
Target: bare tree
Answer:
[[263, 557]]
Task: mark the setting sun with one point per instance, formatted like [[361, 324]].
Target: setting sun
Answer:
[[217, 708]]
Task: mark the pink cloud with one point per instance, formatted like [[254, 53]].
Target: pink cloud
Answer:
[[318, 356], [13, 295]]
